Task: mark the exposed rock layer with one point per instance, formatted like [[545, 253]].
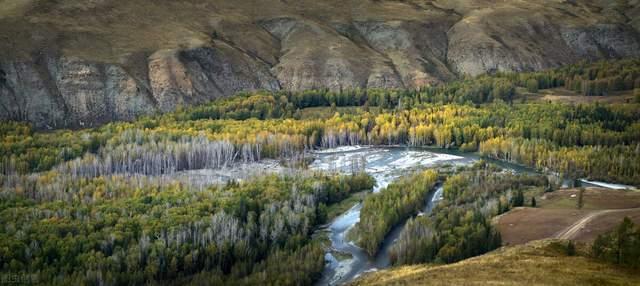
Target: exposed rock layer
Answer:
[[82, 63]]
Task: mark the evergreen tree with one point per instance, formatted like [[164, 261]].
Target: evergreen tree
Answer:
[[580, 201], [571, 248], [620, 246], [518, 199]]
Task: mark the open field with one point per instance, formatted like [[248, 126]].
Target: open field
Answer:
[[558, 216], [593, 198], [535, 263], [563, 95], [522, 225], [567, 96]]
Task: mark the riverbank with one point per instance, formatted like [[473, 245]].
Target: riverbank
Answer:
[[385, 164]]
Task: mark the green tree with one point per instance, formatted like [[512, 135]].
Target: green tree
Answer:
[[624, 242], [580, 201], [518, 199], [620, 246], [532, 85], [571, 248]]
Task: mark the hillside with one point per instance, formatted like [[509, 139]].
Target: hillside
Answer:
[[71, 63], [536, 263]]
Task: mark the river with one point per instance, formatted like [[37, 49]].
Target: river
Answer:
[[384, 164]]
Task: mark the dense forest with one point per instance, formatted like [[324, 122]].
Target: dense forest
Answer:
[[392, 205], [459, 226], [135, 230], [97, 204]]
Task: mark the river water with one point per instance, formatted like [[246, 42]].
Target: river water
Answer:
[[384, 165]]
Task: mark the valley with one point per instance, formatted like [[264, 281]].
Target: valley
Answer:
[[335, 187]]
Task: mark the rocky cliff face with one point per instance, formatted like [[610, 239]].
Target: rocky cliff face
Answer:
[[82, 63]]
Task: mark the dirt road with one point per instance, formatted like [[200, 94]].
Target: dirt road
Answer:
[[571, 231]]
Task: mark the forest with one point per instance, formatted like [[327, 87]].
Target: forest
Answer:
[[99, 206], [460, 226], [593, 141], [393, 204], [135, 230]]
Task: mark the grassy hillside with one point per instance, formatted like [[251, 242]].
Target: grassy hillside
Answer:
[[107, 30], [535, 263]]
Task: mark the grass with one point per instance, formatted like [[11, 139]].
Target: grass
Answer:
[[536, 263], [341, 256], [108, 30], [593, 199], [522, 225], [337, 209], [605, 223], [564, 95]]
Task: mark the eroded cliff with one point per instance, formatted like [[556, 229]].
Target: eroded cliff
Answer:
[[71, 63]]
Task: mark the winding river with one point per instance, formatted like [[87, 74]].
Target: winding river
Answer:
[[385, 165]]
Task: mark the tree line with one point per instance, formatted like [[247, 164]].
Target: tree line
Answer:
[[587, 78]]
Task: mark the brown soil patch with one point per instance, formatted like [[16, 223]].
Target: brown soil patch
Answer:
[[604, 223], [558, 216], [522, 225]]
